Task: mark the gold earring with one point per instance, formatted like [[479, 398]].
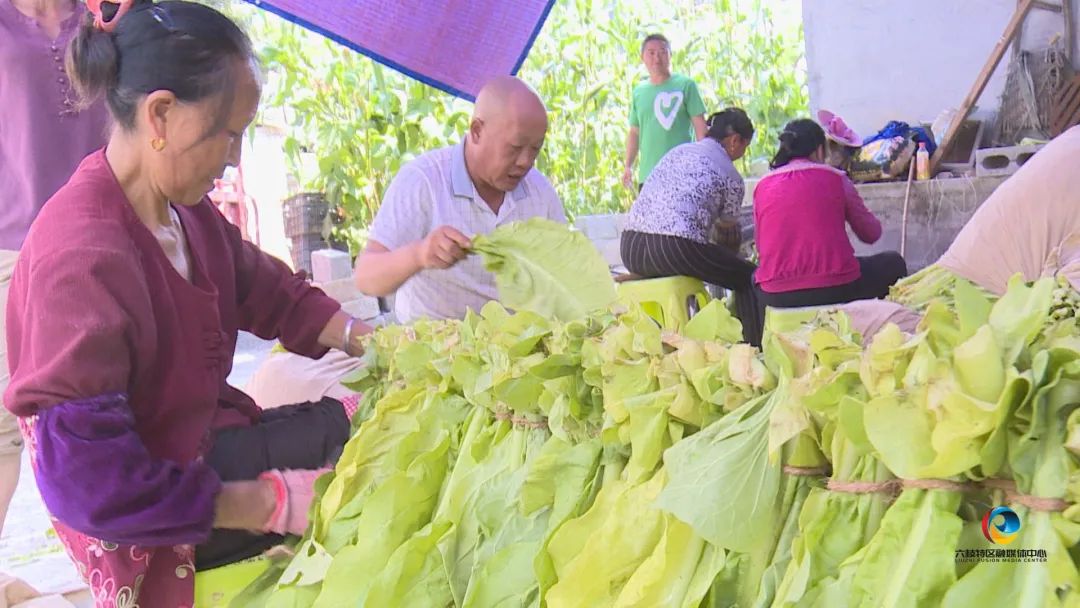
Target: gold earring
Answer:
[[158, 144]]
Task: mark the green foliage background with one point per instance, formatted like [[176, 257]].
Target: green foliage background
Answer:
[[360, 121]]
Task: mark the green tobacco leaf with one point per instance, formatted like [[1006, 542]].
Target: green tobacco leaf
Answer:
[[763, 583], [544, 267], [673, 575], [972, 307], [900, 431], [714, 322], [1021, 313], [414, 575], [596, 554], [648, 427], [1037, 454], [561, 478], [910, 561], [979, 367], [395, 511], [722, 481]]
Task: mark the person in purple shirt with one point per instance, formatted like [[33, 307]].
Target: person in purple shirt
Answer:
[[123, 315], [43, 137]]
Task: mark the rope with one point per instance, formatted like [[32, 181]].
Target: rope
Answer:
[[1033, 503], [894, 486], [805, 472]]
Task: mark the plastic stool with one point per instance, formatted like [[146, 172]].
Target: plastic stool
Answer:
[[217, 587], [670, 301]]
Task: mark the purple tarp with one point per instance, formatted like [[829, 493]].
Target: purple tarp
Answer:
[[453, 45]]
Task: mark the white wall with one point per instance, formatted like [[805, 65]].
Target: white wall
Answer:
[[872, 61], [265, 171]]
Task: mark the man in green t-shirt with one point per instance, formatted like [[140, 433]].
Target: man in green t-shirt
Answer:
[[665, 111]]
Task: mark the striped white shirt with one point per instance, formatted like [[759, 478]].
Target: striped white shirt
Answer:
[[435, 190]]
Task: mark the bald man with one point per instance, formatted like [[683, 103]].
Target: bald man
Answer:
[[417, 244]]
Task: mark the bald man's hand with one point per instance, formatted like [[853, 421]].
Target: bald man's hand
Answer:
[[442, 248]]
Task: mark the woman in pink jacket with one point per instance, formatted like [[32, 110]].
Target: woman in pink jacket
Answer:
[[801, 211]]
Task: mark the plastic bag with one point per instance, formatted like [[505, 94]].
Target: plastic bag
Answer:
[[882, 159]]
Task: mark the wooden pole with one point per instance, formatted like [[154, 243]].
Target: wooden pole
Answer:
[[907, 203], [1011, 30], [1067, 13], [1016, 40], [1049, 6]]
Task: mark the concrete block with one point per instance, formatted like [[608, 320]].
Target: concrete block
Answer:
[[598, 227], [352, 301], [342, 290], [605, 232], [610, 250], [365, 308], [620, 222], [330, 265], [1002, 162]]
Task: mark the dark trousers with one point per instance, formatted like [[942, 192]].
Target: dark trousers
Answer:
[[660, 255], [878, 273], [302, 436]]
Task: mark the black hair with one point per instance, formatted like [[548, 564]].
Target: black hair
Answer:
[[655, 38], [183, 47], [799, 139], [730, 121]]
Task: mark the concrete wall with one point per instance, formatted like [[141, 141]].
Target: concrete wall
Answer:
[[872, 61], [937, 210], [265, 170]]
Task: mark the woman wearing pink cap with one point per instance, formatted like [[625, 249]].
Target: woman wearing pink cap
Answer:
[[841, 142], [801, 211]]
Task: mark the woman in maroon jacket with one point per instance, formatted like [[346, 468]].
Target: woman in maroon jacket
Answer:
[[123, 317]]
